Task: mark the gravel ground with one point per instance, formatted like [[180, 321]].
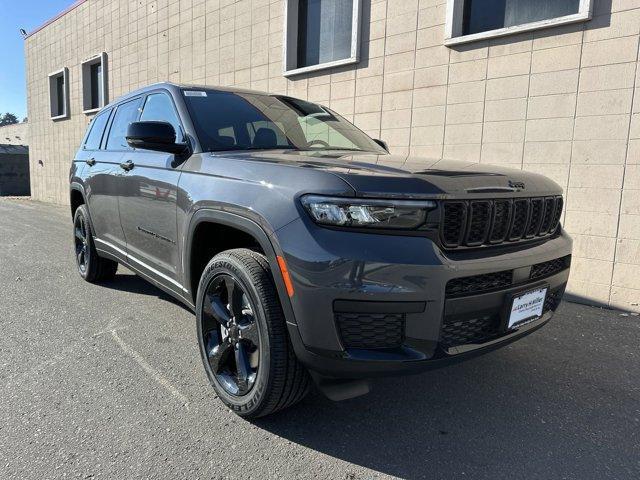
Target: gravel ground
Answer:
[[106, 382]]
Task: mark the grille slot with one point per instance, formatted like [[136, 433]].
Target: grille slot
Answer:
[[535, 217], [453, 228], [491, 222], [479, 223], [371, 331], [546, 269], [460, 287], [547, 216], [557, 213], [501, 220], [520, 219]]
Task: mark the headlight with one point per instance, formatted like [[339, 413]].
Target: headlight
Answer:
[[365, 213]]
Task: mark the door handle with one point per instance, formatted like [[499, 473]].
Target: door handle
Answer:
[[126, 166], [91, 162]]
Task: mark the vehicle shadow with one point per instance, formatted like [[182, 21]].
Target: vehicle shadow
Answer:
[[130, 282], [521, 412]]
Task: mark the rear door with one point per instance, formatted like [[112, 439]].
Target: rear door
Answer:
[[105, 180], [99, 172], [148, 204]]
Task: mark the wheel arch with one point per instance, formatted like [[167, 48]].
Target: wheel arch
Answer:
[[225, 221], [76, 197]]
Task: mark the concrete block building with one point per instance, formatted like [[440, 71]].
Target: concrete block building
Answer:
[[544, 85]]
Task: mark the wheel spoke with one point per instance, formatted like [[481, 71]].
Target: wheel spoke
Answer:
[[79, 235], [243, 366], [249, 331], [234, 297], [217, 352], [213, 306]]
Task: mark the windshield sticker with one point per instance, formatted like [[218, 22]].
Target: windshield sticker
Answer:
[[194, 93]]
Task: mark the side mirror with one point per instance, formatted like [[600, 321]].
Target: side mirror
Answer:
[[157, 136], [382, 143]]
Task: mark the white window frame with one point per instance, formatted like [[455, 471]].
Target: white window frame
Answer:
[[53, 93], [454, 23], [86, 65], [290, 41]]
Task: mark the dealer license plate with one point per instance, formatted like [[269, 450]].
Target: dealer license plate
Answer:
[[527, 307]]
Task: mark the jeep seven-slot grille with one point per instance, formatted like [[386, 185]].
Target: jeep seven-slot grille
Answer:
[[491, 222]]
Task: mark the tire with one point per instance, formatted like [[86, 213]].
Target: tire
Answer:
[[91, 267], [279, 380]]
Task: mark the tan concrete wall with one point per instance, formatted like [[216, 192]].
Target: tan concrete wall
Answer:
[[16, 134], [561, 102]]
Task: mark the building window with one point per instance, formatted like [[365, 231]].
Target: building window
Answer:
[[59, 94], [321, 34], [469, 20], [94, 83]]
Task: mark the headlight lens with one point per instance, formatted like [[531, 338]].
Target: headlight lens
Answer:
[[365, 213]]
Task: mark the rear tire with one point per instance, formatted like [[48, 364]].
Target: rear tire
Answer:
[[91, 267], [271, 378]]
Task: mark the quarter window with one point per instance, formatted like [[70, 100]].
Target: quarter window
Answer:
[[96, 130], [125, 114], [321, 34], [468, 20], [158, 107]]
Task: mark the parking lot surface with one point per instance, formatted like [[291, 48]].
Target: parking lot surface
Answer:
[[106, 382]]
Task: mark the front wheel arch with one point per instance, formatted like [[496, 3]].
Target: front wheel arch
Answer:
[[264, 244]]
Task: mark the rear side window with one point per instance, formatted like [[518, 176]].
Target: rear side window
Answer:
[[96, 129], [159, 108], [125, 114]]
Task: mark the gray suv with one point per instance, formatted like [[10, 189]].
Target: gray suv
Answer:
[[308, 253]]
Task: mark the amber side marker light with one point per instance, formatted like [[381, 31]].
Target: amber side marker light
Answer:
[[285, 275]]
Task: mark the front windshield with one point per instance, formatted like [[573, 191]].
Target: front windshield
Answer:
[[247, 121]]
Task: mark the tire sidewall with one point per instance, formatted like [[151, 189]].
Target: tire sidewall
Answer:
[[252, 401], [81, 211]]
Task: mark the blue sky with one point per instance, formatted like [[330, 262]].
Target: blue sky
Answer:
[[17, 14]]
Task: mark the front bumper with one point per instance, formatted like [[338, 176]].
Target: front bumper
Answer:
[[400, 278]]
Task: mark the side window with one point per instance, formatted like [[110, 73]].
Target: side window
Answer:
[[125, 114], [96, 130], [159, 107]]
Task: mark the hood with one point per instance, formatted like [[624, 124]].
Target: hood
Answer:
[[402, 176]]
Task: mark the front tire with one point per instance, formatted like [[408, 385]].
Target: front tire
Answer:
[[243, 338], [91, 267]]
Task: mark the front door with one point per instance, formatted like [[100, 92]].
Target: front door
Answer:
[[148, 201]]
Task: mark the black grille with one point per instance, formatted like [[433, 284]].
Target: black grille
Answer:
[[552, 302], [453, 228], [546, 269], [520, 219], [371, 331], [491, 222], [547, 216], [479, 222], [459, 287], [456, 332], [533, 227], [475, 330], [501, 221]]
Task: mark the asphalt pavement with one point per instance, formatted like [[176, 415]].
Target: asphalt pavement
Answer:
[[106, 382]]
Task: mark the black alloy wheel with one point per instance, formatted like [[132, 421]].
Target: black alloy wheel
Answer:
[[80, 239], [243, 337], [92, 267], [232, 338]]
